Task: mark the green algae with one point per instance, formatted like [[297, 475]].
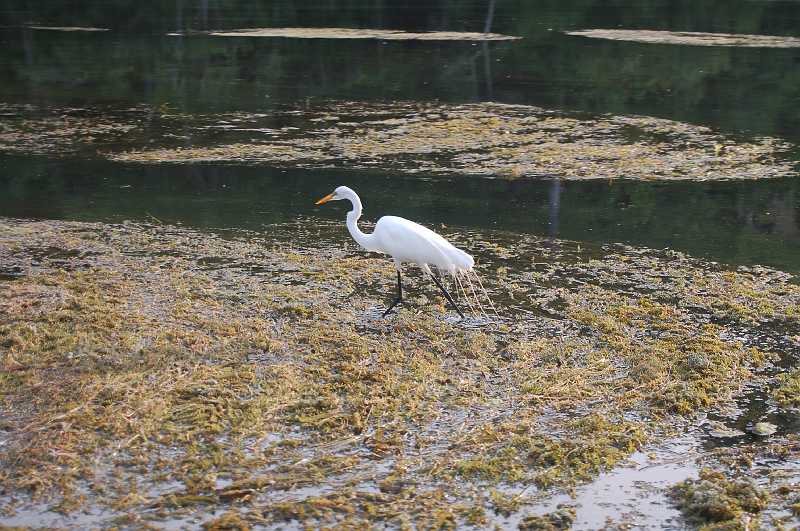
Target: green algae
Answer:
[[133, 363]]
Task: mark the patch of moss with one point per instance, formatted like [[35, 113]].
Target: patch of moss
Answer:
[[589, 445]]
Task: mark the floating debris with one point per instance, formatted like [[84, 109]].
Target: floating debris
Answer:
[[690, 38], [64, 131], [719, 430], [354, 33], [496, 141], [763, 429]]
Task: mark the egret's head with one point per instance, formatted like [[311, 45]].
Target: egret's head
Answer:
[[342, 192]]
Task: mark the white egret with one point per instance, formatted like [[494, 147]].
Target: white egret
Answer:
[[406, 241]]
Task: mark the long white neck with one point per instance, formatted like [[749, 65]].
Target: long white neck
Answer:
[[364, 240]]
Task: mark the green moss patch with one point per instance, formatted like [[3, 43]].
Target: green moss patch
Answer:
[[560, 519]]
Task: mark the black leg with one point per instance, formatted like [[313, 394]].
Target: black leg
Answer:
[[399, 295], [447, 295]]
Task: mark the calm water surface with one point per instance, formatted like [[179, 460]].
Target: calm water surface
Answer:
[[749, 92]]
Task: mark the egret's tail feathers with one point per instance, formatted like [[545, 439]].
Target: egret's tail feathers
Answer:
[[477, 299], [464, 292], [475, 296], [486, 294]]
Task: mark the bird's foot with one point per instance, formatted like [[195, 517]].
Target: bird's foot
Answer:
[[391, 306]]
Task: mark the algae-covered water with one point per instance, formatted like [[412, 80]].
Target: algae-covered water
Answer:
[[187, 340]]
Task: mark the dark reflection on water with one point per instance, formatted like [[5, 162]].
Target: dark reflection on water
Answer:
[[731, 222], [752, 90]]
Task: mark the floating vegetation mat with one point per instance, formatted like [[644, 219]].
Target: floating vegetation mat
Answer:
[[492, 140], [32, 130], [690, 38], [67, 28], [355, 33], [151, 373], [506, 141]]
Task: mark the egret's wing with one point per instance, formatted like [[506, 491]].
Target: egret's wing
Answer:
[[411, 242]]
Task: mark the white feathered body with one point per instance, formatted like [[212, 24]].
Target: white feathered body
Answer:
[[406, 241]]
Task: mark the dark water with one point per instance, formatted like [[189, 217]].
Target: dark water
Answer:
[[734, 88], [732, 222], [744, 91]]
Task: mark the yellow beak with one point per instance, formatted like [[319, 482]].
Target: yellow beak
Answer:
[[324, 199]]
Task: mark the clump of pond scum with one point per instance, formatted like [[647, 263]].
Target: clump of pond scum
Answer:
[[156, 375]]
